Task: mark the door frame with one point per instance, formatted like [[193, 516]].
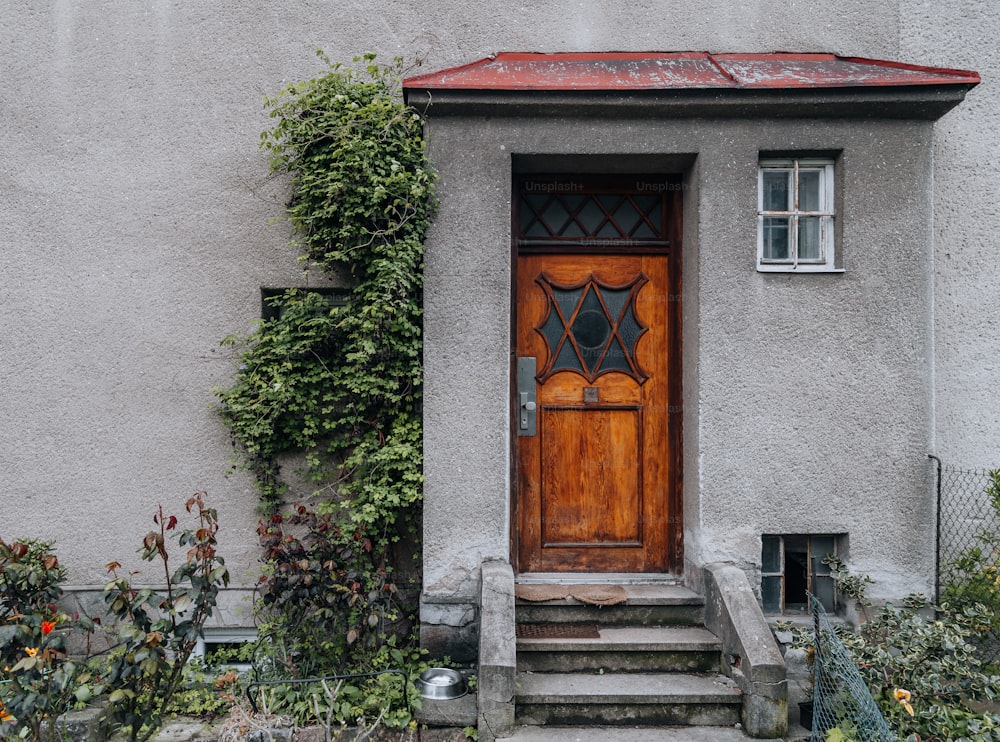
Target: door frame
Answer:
[[671, 186]]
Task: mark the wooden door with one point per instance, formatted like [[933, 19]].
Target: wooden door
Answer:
[[598, 481]]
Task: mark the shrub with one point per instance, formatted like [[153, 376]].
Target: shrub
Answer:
[[156, 633], [40, 679], [924, 671], [339, 385]]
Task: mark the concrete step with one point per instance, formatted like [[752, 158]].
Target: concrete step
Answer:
[[646, 699], [647, 604], [625, 734], [624, 649]]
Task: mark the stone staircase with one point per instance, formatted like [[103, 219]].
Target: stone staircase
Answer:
[[647, 662]]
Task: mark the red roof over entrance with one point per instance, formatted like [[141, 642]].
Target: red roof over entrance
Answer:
[[624, 71]]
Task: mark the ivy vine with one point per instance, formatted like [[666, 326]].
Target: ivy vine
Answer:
[[342, 383]]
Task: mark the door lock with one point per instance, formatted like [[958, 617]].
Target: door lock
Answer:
[[526, 402]]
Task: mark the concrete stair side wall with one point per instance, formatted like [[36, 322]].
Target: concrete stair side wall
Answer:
[[751, 656]]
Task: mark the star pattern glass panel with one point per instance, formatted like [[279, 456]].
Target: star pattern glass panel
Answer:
[[591, 328]]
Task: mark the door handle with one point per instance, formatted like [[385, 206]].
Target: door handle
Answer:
[[526, 402]]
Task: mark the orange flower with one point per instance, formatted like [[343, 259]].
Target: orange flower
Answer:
[[903, 696], [5, 715], [47, 627], [31, 651]]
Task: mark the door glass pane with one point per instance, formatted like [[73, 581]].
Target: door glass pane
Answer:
[[649, 206], [553, 328], [567, 358], [776, 238], [567, 299], [630, 331], [810, 246], [776, 190], [809, 181], [616, 358], [591, 217]]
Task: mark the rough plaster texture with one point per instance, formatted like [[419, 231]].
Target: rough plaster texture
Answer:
[[810, 411], [966, 222], [135, 235]]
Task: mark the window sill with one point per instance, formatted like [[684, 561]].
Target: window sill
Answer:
[[799, 269]]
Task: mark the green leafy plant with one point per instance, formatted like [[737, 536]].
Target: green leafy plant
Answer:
[[338, 384], [321, 595], [974, 576], [39, 679], [924, 672], [158, 632], [341, 383]]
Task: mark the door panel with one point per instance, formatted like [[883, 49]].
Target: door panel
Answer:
[[591, 476], [596, 484]]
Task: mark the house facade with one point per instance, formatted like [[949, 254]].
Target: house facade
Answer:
[[696, 312]]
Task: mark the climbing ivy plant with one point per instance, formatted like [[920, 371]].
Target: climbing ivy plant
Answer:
[[337, 384], [341, 383]]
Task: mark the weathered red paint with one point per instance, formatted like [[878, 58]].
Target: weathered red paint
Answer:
[[679, 70]]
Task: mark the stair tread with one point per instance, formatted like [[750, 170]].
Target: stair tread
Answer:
[[625, 688], [629, 638], [652, 593], [620, 734]]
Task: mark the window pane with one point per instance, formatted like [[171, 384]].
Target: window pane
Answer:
[[770, 554], [776, 238], [810, 247], [809, 190], [821, 546], [770, 592], [823, 589], [776, 190]]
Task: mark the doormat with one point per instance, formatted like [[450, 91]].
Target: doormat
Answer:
[[599, 594], [540, 593], [557, 631]]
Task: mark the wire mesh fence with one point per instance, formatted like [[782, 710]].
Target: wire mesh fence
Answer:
[[841, 700], [968, 536]]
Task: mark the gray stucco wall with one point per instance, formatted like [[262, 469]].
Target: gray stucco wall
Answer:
[[135, 236], [807, 406]]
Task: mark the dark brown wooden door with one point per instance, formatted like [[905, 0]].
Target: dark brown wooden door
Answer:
[[598, 483]]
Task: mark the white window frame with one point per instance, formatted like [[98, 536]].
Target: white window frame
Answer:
[[826, 263]]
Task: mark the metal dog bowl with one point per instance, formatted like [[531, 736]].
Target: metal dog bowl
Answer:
[[441, 683]]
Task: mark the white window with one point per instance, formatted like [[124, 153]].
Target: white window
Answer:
[[795, 215]]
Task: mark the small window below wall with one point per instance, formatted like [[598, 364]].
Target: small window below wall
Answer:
[[792, 567], [271, 305], [220, 647], [795, 215]]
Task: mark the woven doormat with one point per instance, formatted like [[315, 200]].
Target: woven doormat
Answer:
[[589, 594], [557, 631], [599, 594], [541, 593]]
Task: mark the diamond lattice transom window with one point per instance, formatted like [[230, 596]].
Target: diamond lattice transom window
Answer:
[[592, 328], [598, 216]]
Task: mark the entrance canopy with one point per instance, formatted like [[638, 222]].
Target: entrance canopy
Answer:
[[698, 83]]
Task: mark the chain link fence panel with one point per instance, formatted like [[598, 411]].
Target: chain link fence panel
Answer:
[[968, 553]]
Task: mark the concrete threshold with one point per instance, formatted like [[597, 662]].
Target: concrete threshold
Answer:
[[600, 578], [646, 593]]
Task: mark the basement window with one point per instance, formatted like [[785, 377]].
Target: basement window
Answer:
[[270, 299], [795, 211], [792, 567], [220, 647]]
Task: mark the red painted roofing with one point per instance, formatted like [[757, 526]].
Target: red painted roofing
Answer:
[[676, 70]]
